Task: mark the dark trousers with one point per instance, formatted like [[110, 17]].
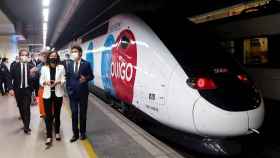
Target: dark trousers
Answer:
[[36, 87], [79, 108], [52, 109], [2, 87], [23, 99]]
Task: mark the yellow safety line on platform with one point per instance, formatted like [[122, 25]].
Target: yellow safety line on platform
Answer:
[[86, 143], [89, 148]]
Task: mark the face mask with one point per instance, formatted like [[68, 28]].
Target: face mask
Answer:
[[53, 60], [75, 56], [24, 59], [17, 61]]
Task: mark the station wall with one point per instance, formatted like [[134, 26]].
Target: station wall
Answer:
[[268, 80]]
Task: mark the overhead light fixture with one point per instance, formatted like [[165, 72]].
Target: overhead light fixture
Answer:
[[44, 34], [46, 3], [45, 26], [45, 29], [45, 12], [45, 17]]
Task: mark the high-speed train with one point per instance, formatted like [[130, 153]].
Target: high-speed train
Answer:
[[176, 74]]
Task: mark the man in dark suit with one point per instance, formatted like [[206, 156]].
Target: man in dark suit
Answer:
[[78, 75], [4, 65], [66, 62], [4, 77], [15, 61], [22, 79]]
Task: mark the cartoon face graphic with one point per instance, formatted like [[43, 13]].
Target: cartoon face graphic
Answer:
[[124, 61]]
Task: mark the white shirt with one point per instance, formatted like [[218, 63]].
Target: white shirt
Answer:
[[23, 85], [59, 76], [77, 62]]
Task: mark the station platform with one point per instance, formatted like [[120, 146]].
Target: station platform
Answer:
[[14, 143], [110, 135], [114, 136]]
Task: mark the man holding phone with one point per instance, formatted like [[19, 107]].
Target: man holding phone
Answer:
[[78, 75]]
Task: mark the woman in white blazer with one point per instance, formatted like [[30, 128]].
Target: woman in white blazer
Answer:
[[52, 79]]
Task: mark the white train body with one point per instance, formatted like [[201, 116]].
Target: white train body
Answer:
[[131, 63]]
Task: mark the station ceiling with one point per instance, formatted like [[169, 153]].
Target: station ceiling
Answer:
[[27, 18], [69, 19], [260, 21]]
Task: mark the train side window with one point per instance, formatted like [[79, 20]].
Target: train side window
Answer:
[[124, 42]]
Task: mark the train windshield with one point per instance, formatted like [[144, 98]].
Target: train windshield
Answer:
[[200, 55], [196, 50]]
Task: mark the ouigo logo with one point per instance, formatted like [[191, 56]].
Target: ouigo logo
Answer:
[[124, 61]]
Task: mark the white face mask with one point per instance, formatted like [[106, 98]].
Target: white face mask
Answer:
[[17, 60], [24, 59], [75, 56]]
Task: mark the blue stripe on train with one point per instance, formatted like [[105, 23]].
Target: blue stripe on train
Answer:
[[106, 65], [90, 57]]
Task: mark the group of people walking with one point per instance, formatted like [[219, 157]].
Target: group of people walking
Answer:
[[52, 75]]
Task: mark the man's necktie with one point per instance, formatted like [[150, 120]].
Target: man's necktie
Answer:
[[76, 67], [23, 76]]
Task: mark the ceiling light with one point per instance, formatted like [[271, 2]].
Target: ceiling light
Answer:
[[45, 12], [46, 3], [46, 18], [45, 26]]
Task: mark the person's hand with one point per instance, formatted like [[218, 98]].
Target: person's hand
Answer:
[[47, 83], [82, 79], [52, 83], [11, 92], [33, 71], [55, 83]]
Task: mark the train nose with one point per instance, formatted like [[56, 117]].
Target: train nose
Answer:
[[256, 118], [210, 120]]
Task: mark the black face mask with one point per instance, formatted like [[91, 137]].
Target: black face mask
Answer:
[[53, 61]]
